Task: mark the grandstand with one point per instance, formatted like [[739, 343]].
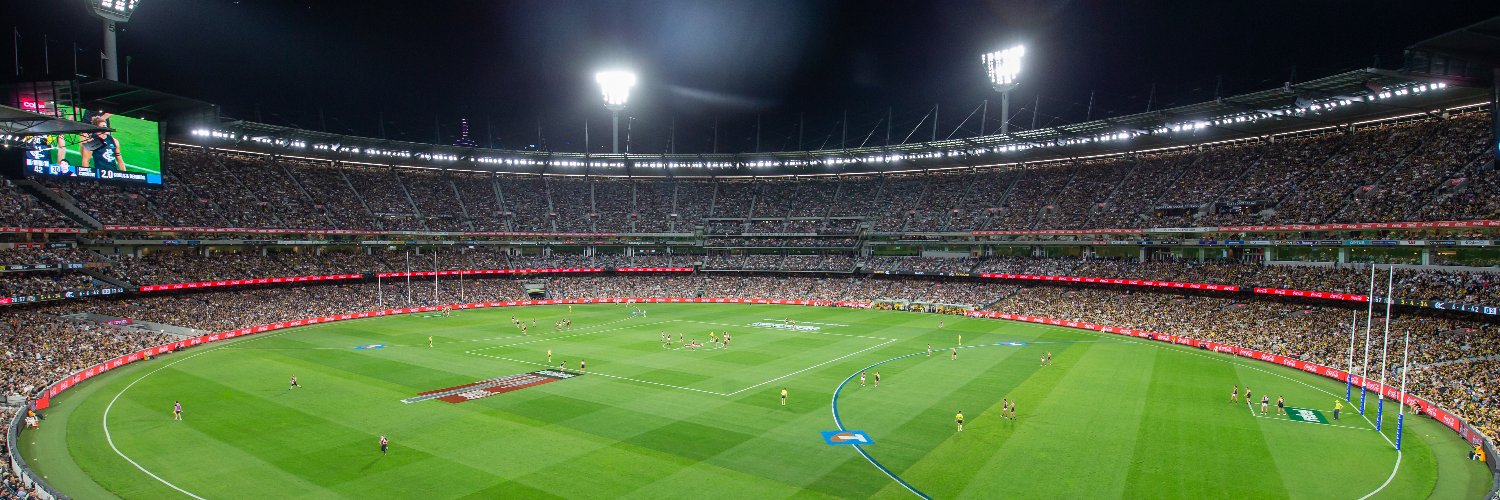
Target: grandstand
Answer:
[[1255, 227]]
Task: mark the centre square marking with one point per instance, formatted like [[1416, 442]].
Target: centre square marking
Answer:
[[486, 388]]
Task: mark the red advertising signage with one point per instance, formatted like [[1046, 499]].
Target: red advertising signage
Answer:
[[1244, 229], [252, 281], [1114, 281], [1312, 294], [470, 272], [51, 230], [258, 230], [654, 269], [1365, 225]]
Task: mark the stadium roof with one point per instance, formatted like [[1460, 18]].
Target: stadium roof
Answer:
[[1350, 97], [21, 123], [1477, 43], [130, 100]]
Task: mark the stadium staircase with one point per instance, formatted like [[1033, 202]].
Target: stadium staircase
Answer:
[[1183, 167], [146, 326], [946, 222], [500, 201], [551, 208], [306, 195], [261, 201], [463, 209], [1114, 191], [1352, 199], [350, 184], [989, 217], [1208, 208], [62, 202], [1041, 215], [409, 201], [105, 278], [1348, 140], [1443, 191]]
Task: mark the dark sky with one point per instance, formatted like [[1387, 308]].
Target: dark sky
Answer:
[[507, 65]]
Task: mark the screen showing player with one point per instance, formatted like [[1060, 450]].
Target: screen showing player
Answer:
[[131, 153]]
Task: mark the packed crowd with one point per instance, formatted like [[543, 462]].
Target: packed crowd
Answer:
[[18, 209], [46, 256], [1432, 168], [833, 263], [1475, 287], [1453, 356], [41, 348], [43, 282]]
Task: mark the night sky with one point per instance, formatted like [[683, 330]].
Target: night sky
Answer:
[[508, 65]]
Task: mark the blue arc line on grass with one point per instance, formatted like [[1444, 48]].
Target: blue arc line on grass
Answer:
[[860, 448]]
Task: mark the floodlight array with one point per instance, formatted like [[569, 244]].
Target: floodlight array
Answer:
[[118, 10], [616, 87], [1004, 66]]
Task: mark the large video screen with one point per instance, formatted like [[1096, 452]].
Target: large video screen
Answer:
[[131, 153]]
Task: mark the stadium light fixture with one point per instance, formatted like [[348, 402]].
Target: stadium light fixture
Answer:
[[112, 11], [1003, 67], [616, 86]]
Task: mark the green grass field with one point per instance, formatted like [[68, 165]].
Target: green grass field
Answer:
[[140, 143], [1111, 417]]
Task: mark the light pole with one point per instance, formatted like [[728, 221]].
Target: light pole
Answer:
[[112, 11], [1003, 67], [616, 85]]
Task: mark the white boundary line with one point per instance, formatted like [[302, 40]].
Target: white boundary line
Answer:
[[104, 419], [882, 344], [1394, 469]]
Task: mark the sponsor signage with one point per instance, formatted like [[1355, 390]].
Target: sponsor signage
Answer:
[[64, 295], [844, 438], [491, 387], [1306, 415], [42, 267], [469, 272], [654, 269], [68, 230], [1458, 306], [257, 230], [1114, 281], [1313, 294], [1245, 229], [243, 282]]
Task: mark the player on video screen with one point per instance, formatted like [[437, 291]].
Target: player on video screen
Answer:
[[100, 149]]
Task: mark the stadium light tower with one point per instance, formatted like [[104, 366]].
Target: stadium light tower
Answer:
[[1003, 67], [112, 11], [616, 85]]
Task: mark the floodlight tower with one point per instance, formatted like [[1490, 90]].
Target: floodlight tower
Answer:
[[616, 85], [1003, 67], [112, 11]]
